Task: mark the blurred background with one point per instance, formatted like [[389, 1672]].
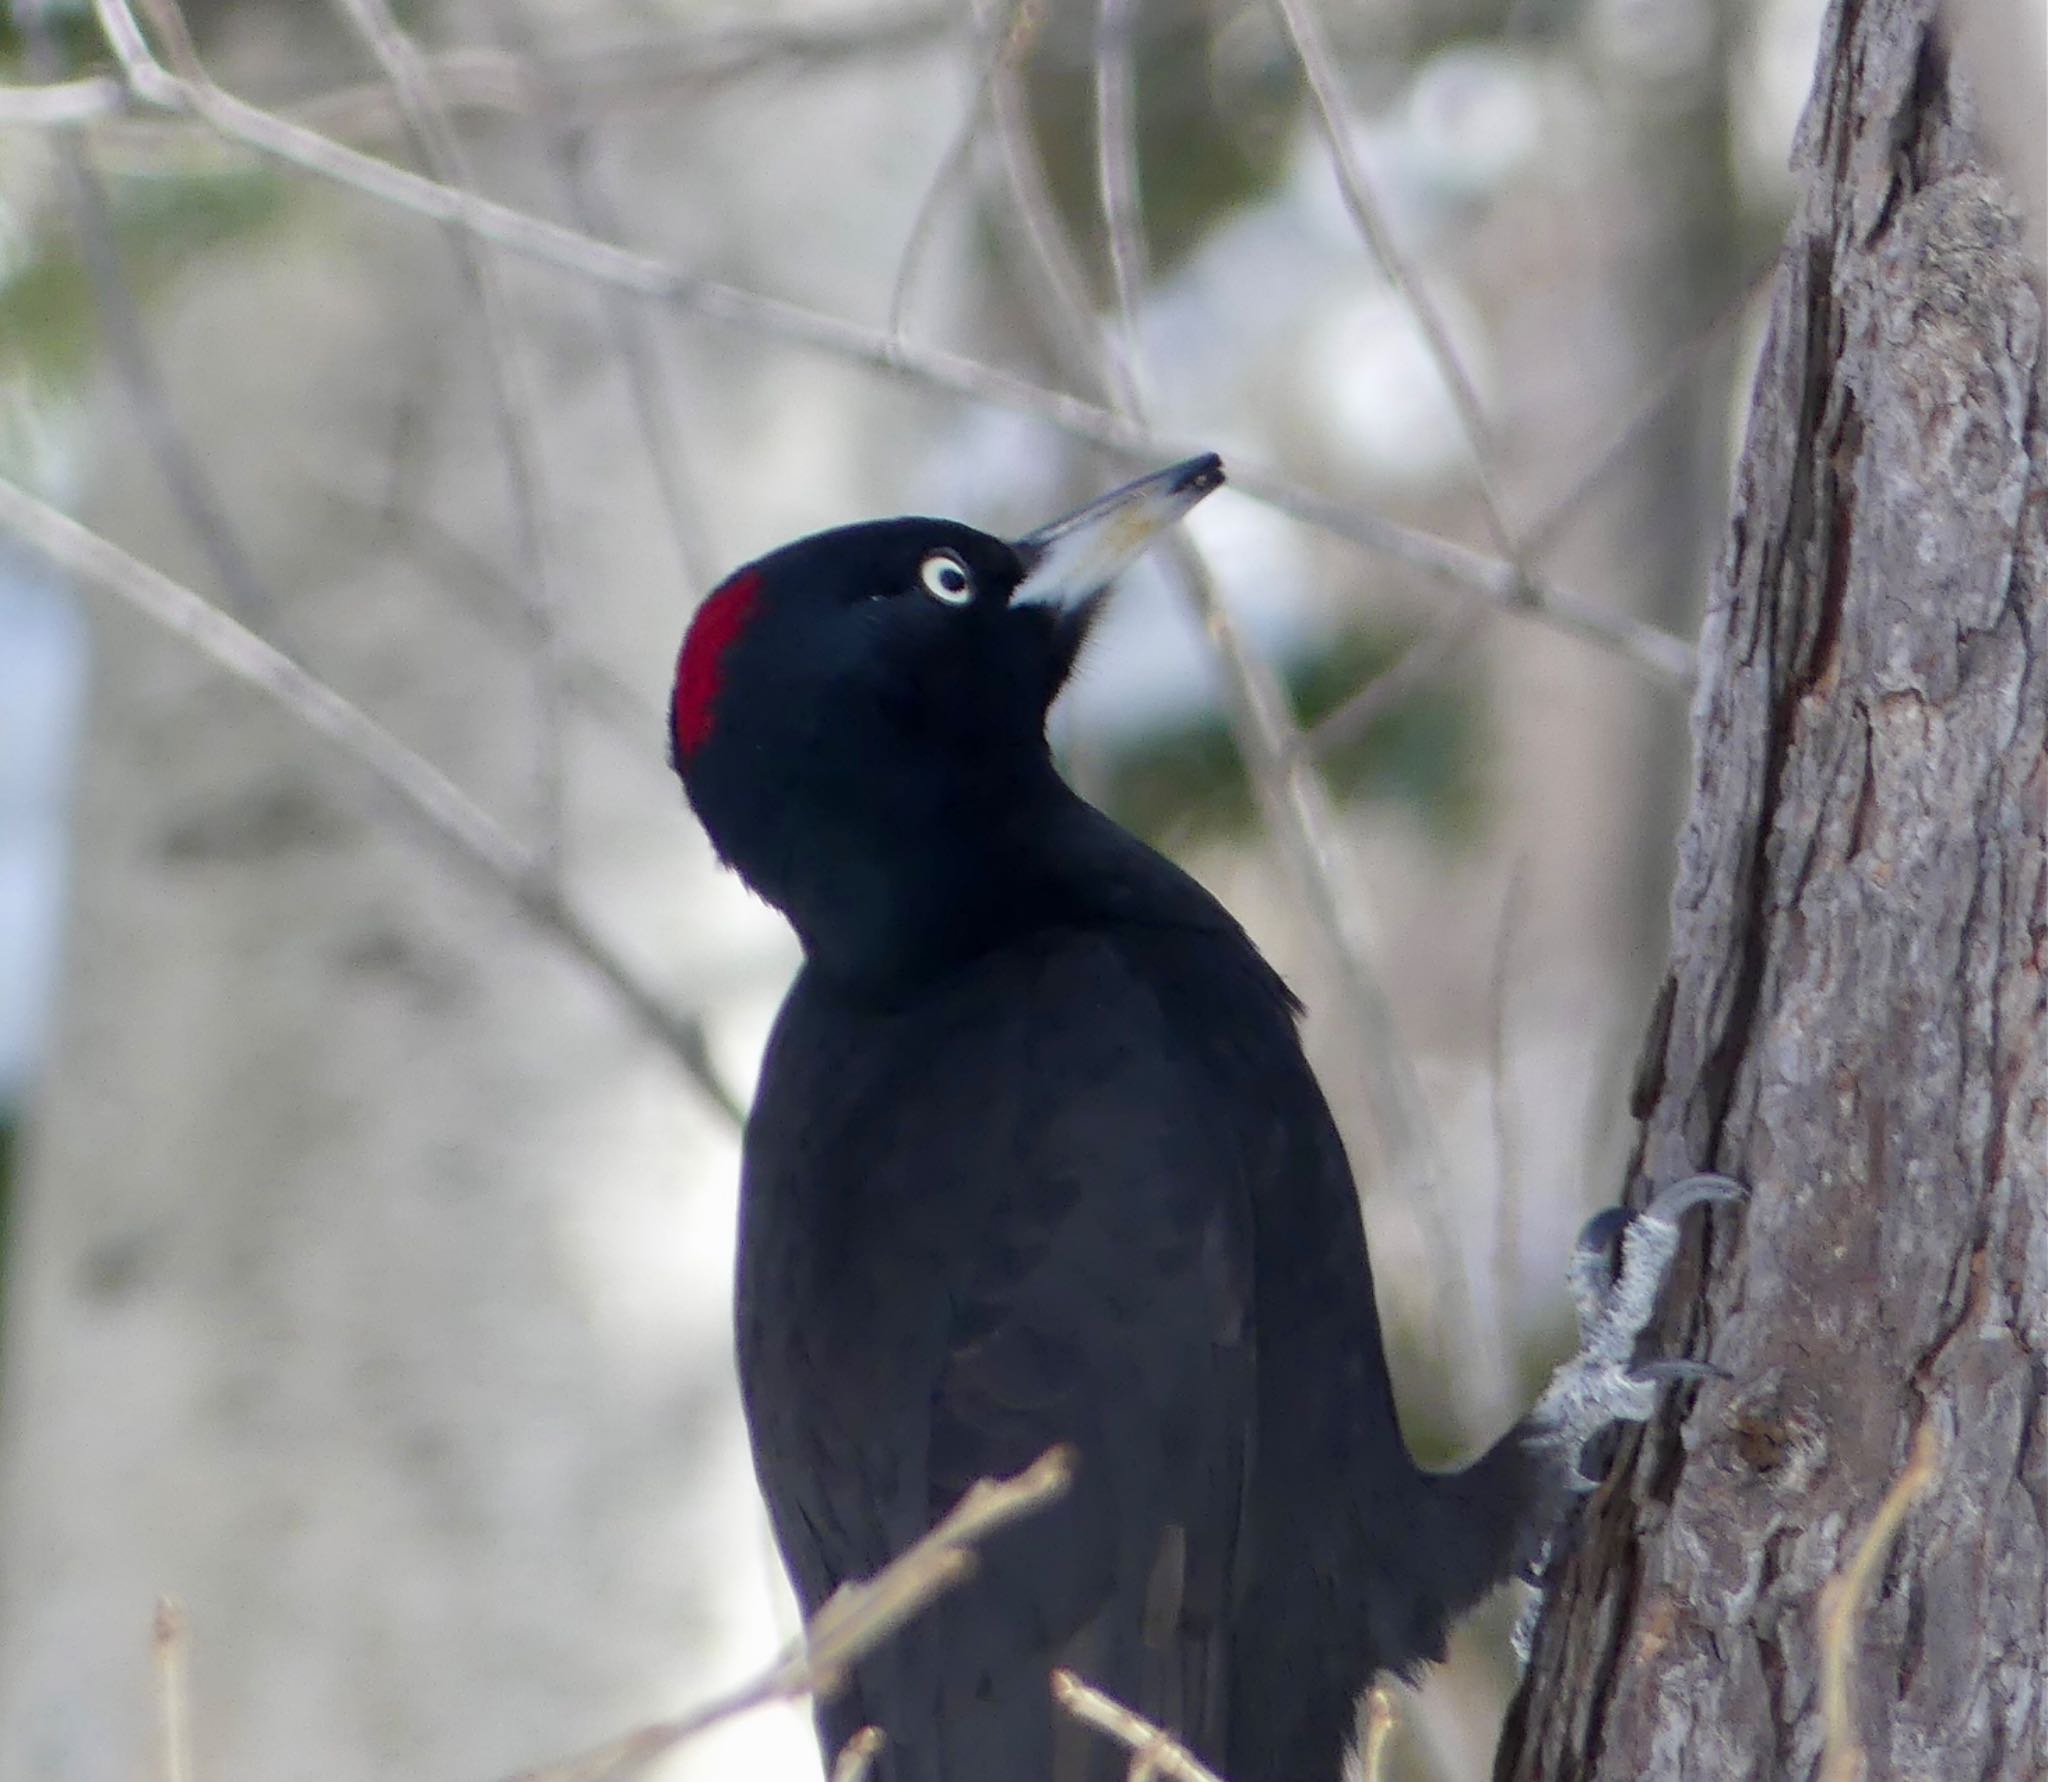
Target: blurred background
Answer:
[[368, 1197]]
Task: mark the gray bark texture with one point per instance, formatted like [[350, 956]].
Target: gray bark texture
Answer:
[[1853, 1021]]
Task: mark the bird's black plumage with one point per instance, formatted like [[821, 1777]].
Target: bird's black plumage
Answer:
[[1037, 1158]]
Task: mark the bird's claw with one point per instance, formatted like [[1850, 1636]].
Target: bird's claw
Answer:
[[1631, 1396], [1617, 1271], [1679, 1373], [1675, 1199], [1621, 1258]]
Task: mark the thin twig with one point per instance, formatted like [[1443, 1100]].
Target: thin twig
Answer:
[[1507, 1193], [135, 365], [1152, 1745], [1303, 820], [1658, 653], [1421, 660], [1116, 152], [480, 588], [857, 1756], [593, 77], [1015, 41], [1540, 538], [170, 1663], [444, 812], [1297, 806], [61, 102], [514, 408], [851, 1623], [652, 65], [1051, 249], [1312, 50], [650, 383], [1376, 1732], [179, 49], [1841, 1607]]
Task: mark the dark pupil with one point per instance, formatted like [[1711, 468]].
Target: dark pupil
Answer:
[[952, 579]]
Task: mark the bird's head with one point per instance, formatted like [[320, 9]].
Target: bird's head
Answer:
[[859, 717]]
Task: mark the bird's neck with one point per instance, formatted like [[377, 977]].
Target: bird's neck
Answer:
[[887, 902]]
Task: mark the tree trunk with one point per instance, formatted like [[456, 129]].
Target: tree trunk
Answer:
[[1853, 1021]]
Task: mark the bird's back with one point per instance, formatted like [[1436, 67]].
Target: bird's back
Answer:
[[973, 1226], [1083, 1188]]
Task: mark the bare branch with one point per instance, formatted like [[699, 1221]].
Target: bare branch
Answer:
[[479, 587], [1297, 805], [1620, 448], [653, 65], [640, 347], [1423, 659], [852, 1622], [62, 102], [170, 25], [1116, 150], [1841, 1607], [513, 404], [590, 78], [1025, 18], [1298, 809], [443, 811], [1507, 1194], [1155, 1749], [1500, 583], [135, 367], [1072, 308], [1376, 1730], [1312, 49], [169, 1651], [857, 1756]]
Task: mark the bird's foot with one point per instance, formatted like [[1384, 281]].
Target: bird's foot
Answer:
[[1617, 1271]]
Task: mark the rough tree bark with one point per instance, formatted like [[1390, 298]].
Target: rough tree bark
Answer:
[[1853, 1021]]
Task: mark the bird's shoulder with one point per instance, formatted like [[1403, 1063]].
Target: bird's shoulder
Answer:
[[1132, 1036], [1116, 1006]]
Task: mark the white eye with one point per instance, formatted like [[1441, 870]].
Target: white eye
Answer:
[[945, 578]]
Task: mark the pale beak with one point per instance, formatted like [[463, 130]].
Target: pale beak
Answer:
[[1072, 561]]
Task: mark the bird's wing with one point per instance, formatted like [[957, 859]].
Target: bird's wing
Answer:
[[1107, 1306], [1006, 1218]]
